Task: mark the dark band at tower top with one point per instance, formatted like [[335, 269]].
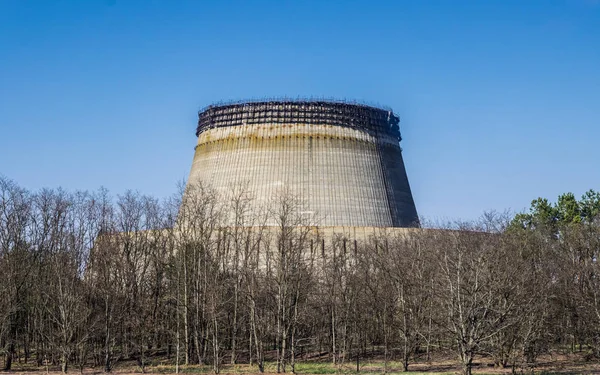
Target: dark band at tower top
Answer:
[[317, 112]]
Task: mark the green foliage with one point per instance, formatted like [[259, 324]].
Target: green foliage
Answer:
[[567, 209], [590, 206], [543, 212], [551, 218]]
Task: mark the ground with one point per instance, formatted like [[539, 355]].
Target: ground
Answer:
[[555, 364]]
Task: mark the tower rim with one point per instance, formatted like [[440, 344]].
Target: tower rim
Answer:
[[332, 112]]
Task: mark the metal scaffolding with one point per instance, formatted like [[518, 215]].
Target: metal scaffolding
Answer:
[[316, 112]]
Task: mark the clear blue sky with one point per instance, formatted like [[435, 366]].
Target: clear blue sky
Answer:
[[499, 100]]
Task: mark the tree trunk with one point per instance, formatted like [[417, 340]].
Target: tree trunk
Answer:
[[216, 359], [186, 326], [234, 323], [107, 364], [9, 356], [257, 344], [64, 366], [333, 334], [467, 362]]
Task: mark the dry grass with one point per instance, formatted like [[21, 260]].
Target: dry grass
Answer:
[[556, 364]]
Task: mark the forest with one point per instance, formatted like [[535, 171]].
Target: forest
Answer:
[[91, 280]]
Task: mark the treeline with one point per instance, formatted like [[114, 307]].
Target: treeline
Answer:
[[87, 279]]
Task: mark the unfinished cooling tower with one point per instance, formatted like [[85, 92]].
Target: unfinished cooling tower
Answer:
[[342, 160]]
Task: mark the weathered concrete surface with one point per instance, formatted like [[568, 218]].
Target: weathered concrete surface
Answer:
[[343, 176]]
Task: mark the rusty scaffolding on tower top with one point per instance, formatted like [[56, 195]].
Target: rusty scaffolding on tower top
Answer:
[[314, 112]]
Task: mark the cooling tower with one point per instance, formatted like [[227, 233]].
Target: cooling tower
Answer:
[[342, 160]]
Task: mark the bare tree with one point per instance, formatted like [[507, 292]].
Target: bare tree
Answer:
[[16, 262], [289, 271], [474, 289]]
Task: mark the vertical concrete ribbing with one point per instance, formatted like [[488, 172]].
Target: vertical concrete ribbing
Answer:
[[337, 172]]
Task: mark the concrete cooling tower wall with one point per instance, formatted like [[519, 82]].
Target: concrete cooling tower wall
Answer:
[[342, 160]]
